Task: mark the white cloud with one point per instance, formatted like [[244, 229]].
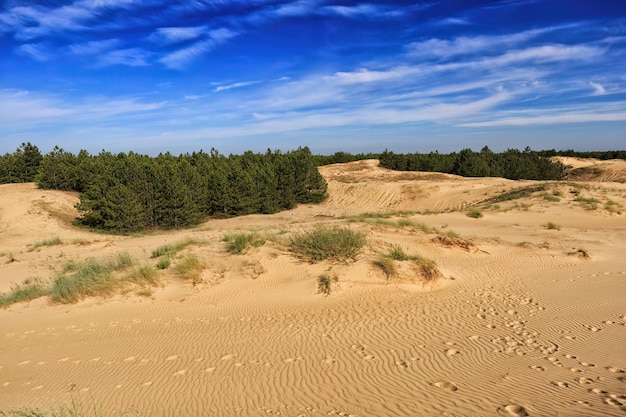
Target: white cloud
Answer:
[[180, 58], [37, 51], [573, 117], [132, 57], [598, 89], [350, 11], [235, 85], [171, 35], [93, 47]]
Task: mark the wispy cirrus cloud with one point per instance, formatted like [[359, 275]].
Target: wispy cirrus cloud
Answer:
[[170, 35], [180, 58], [235, 85]]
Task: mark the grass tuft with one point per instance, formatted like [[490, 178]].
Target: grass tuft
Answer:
[[89, 278], [30, 289], [164, 262], [189, 267], [337, 244], [325, 284], [239, 242], [387, 265], [553, 226], [46, 242], [173, 248], [474, 213]]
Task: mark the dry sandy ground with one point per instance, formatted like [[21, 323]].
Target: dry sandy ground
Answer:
[[521, 323]]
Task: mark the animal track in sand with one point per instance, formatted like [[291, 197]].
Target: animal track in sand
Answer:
[[172, 357], [329, 360], [587, 364], [537, 368], [568, 356], [452, 352], [585, 381], [130, 359], [560, 384], [450, 386], [615, 370], [577, 370], [292, 360], [209, 370], [516, 410], [24, 363], [181, 372], [228, 357]]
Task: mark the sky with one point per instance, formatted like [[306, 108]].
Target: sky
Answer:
[[154, 76]]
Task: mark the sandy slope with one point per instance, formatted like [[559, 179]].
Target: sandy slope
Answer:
[[520, 324]]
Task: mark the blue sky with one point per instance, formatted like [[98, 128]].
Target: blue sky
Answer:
[[155, 75]]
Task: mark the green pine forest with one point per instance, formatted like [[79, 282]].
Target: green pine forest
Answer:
[[129, 192]]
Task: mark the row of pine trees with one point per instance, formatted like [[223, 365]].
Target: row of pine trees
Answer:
[[132, 192], [512, 164]]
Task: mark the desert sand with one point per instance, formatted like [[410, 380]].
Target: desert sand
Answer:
[[525, 320]]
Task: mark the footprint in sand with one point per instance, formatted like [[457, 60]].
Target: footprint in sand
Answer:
[[587, 364], [228, 357], [576, 370], [585, 381], [181, 372], [560, 384], [209, 370], [358, 348], [452, 352], [568, 356], [172, 357], [147, 384], [23, 363], [63, 360], [130, 359], [329, 360], [402, 364], [516, 410], [614, 401], [537, 368], [369, 357], [446, 385], [615, 370], [292, 360]]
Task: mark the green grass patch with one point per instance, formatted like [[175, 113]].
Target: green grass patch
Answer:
[[613, 207], [144, 274], [89, 278], [173, 248], [474, 213], [551, 197], [189, 267], [587, 203], [240, 242], [30, 289], [337, 244], [517, 193], [53, 241], [164, 262]]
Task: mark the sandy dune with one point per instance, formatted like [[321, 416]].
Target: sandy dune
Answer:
[[526, 320]]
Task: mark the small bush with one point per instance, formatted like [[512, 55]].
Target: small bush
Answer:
[[124, 260], [164, 262], [239, 242], [46, 242], [474, 213], [173, 248], [553, 226], [30, 289], [336, 244], [325, 284], [189, 267]]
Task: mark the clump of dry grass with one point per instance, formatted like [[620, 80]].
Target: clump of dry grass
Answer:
[[189, 267], [337, 244]]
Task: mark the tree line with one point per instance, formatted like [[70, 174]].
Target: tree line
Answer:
[[128, 192], [512, 164]]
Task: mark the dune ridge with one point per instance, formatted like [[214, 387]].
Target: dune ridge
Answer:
[[521, 324]]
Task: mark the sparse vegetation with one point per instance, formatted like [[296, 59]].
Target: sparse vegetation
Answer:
[[30, 289], [164, 262], [325, 284], [428, 268], [552, 226], [551, 197], [189, 267], [588, 203], [336, 244], [89, 278], [240, 242], [387, 265], [398, 254], [46, 242], [474, 213], [173, 248], [613, 207], [144, 274]]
